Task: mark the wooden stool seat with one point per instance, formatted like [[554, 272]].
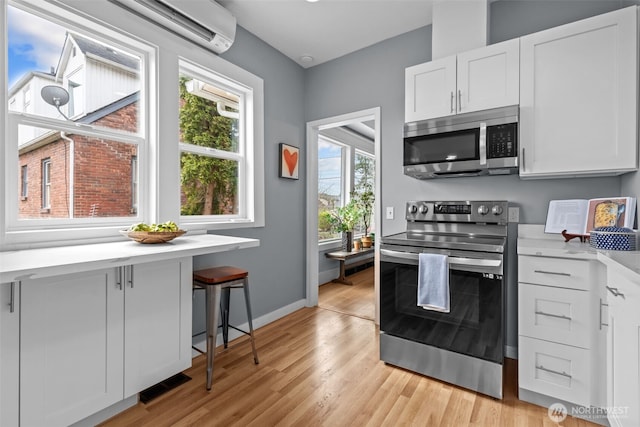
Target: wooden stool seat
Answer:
[[218, 275], [217, 283]]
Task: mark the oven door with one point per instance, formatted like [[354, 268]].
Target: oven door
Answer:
[[474, 325]]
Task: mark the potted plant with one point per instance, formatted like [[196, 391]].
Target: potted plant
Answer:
[[365, 200], [344, 219]]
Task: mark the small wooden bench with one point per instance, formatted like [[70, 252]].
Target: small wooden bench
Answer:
[[365, 255]]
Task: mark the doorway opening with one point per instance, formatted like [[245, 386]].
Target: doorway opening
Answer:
[[351, 132]]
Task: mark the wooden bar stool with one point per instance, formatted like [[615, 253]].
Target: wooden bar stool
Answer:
[[218, 282]]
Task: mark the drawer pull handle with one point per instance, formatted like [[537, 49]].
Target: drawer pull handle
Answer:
[[558, 316], [602, 305], [552, 272], [564, 374], [615, 292]]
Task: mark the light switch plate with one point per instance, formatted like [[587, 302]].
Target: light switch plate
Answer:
[[389, 212], [514, 214]]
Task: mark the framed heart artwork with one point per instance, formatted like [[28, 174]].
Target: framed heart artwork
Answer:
[[289, 161]]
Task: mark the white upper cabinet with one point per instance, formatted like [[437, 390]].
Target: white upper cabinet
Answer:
[[476, 80], [578, 98]]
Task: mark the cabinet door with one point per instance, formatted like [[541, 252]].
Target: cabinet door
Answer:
[[71, 347], [623, 354], [430, 90], [578, 91], [157, 322], [489, 77], [9, 353]]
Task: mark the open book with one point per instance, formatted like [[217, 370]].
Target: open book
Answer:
[[579, 216]]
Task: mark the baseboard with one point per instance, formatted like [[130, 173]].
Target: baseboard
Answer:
[[107, 413], [328, 275], [200, 341]]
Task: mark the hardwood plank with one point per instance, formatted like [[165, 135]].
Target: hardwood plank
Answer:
[[319, 367]]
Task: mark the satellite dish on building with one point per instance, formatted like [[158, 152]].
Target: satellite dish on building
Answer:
[[56, 96]]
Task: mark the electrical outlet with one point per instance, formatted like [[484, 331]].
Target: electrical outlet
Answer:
[[389, 212], [514, 214]]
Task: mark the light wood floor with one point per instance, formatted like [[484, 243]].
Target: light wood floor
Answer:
[[357, 299], [320, 367]]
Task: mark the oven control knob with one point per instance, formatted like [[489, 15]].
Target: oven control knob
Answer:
[[483, 210], [424, 209], [413, 209], [496, 210]]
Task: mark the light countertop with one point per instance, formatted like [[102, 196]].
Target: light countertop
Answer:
[[533, 241], [44, 262]]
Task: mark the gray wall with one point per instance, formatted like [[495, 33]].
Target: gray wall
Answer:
[[277, 267], [374, 76]]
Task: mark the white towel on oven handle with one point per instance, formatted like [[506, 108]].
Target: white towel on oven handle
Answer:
[[433, 282]]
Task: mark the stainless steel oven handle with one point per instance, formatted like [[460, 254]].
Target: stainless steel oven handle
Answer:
[[452, 260]]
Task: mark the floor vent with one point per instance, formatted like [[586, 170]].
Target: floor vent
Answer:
[[163, 387]]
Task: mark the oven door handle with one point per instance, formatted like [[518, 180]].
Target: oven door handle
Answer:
[[452, 259]]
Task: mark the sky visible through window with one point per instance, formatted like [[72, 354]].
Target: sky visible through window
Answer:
[[34, 44], [329, 168]]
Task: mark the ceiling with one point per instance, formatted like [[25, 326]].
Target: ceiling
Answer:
[[327, 29]]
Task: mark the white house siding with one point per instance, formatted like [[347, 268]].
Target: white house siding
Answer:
[[107, 83], [37, 106]]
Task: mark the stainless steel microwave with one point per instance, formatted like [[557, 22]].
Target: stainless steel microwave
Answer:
[[471, 144]]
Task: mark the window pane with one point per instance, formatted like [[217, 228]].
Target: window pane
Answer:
[[80, 176], [94, 86], [364, 184], [330, 184], [209, 186], [209, 115]]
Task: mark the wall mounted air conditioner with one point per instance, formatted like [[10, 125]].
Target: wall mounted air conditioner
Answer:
[[202, 21]]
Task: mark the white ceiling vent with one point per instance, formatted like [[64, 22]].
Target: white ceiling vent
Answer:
[[202, 21]]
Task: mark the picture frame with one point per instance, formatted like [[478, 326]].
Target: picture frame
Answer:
[[289, 161]]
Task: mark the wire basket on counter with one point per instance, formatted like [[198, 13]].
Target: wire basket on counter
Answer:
[[613, 239]]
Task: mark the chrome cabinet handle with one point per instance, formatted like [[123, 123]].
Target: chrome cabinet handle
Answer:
[[558, 316], [119, 278], [542, 368], [452, 102], [615, 292], [12, 301], [130, 279], [459, 100], [602, 305], [552, 272], [523, 168]]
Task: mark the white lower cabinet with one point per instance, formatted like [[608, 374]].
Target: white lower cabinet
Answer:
[[9, 354], [89, 340], [623, 350], [560, 338]]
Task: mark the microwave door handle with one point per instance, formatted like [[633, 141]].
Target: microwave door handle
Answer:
[[483, 143]]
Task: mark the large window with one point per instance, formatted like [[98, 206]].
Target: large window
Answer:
[[213, 146], [346, 165], [120, 152], [87, 171]]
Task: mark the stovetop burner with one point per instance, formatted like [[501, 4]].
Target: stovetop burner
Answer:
[[464, 225]]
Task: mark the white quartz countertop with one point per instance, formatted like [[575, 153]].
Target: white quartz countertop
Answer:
[[532, 241], [36, 263], [556, 248]]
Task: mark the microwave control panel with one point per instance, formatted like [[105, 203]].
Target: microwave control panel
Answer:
[[502, 141]]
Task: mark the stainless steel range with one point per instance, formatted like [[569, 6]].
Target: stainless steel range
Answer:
[[466, 345]]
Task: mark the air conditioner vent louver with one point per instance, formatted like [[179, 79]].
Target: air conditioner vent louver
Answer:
[[202, 21]]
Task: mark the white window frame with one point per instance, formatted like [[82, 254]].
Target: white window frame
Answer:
[[16, 232], [348, 173], [46, 183], [158, 110], [249, 155], [24, 182]]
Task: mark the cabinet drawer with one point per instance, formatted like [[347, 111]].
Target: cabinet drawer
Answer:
[[555, 314], [561, 272], [555, 370]]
